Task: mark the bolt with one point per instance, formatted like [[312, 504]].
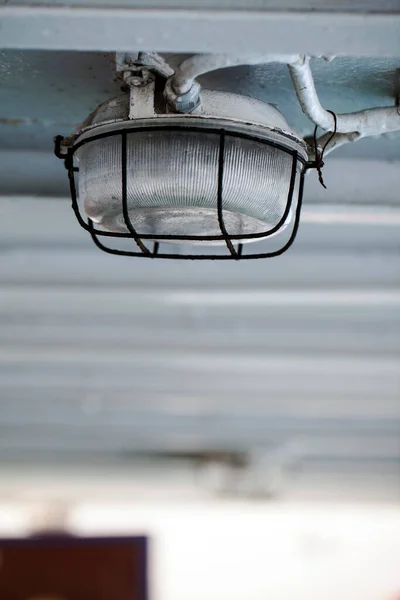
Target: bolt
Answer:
[[136, 81], [136, 77]]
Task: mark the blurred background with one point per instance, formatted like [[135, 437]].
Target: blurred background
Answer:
[[246, 417]]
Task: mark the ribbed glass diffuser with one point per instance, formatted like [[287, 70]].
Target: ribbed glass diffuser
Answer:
[[172, 183]]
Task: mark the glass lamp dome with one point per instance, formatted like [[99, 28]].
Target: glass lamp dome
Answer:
[[173, 178]]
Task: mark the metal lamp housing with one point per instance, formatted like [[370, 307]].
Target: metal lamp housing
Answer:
[[232, 171]]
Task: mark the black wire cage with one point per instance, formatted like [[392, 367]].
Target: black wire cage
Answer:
[[234, 245]]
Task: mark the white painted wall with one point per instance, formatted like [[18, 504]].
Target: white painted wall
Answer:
[[241, 551]]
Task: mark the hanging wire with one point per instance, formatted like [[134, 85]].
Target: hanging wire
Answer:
[[319, 156]]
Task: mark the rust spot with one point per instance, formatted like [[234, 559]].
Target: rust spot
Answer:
[[12, 122]]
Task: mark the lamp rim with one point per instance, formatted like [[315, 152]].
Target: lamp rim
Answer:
[[283, 140]]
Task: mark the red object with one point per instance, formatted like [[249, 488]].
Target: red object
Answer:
[[73, 568]]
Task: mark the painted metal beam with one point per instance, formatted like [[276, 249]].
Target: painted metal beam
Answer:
[[129, 29], [358, 182]]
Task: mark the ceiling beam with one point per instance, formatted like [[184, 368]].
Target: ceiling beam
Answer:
[[173, 30], [358, 182]]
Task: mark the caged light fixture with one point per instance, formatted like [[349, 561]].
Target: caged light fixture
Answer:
[[173, 165]]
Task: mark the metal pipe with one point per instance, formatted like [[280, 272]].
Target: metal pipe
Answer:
[[197, 65], [373, 121], [339, 139]]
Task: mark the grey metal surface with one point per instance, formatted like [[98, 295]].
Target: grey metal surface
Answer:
[[46, 93], [327, 5], [43, 94], [187, 30], [101, 357]]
